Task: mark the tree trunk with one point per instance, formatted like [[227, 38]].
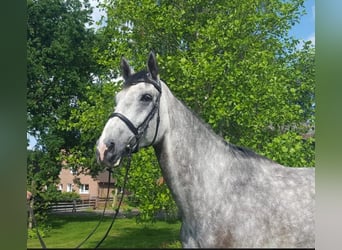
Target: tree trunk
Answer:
[[29, 213]]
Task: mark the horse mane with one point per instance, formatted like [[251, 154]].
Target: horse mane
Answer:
[[237, 151], [246, 153]]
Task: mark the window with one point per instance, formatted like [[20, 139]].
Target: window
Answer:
[[73, 171], [84, 189], [60, 187], [69, 187]]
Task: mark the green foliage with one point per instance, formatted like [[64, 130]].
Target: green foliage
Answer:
[[175, 244], [88, 117], [43, 231], [146, 193], [67, 196], [40, 182], [59, 57], [291, 148]]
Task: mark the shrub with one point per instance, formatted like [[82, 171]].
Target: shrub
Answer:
[[68, 196]]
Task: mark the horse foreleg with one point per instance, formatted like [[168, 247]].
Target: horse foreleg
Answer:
[[187, 238]]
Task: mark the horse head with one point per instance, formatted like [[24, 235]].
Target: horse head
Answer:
[[135, 121]]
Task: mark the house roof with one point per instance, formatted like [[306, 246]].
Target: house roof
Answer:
[[103, 177]]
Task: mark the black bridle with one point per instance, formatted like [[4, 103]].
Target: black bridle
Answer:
[[140, 130]]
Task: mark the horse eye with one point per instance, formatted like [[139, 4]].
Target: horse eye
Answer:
[[146, 98]]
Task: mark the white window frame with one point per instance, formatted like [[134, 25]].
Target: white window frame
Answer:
[[69, 187], [84, 189]]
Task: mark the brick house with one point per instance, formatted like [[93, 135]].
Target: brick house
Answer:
[[86, 186]]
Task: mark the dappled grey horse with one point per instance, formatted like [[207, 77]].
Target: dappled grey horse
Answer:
[[228, 196]]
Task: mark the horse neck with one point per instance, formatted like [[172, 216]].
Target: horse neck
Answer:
[[185, 148], [185, 134]]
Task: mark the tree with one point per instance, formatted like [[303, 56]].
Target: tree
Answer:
[[232, 62], [59, 59], [60, 66]]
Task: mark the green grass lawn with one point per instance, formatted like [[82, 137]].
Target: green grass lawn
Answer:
[[67, 231]]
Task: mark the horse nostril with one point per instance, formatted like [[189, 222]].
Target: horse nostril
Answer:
[[110, 145]]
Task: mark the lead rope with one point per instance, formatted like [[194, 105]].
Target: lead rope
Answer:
[[119, 205], [103, 212], [129, 157]]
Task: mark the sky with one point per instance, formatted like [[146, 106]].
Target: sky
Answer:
[[304, 30]]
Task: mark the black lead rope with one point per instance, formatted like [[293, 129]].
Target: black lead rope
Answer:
[[129, 157], [103, 212]]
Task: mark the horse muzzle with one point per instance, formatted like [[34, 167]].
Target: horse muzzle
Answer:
[[107, 154]]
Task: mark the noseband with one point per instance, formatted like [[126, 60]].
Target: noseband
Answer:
[[140, 130]]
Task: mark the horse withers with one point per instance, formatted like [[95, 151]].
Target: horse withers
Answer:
[[228, 196]]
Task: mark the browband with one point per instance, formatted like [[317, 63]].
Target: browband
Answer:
[[145, 78]]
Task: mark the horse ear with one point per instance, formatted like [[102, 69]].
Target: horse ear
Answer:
[[125, 68], [152, 66]]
